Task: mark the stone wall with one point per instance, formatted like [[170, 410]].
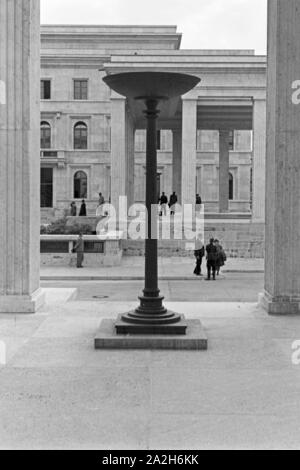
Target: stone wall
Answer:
[[241, 240]]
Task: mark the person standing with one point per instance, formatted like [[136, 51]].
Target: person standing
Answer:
[[79, 249], [199, 254], [101, 203], [198, 202], [221, 257], [173, 202], [82, 212], [73, 211], [211, 257], [163, 204]]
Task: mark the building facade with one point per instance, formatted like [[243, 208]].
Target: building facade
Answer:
[[211, 141]]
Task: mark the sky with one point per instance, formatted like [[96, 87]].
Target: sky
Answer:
[[205, 24]]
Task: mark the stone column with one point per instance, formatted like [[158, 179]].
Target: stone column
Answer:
[[130, 159], [282, 259], [20, 156], [223, 171], [259, 160], [189, 149], [177, 162], [118, 148]]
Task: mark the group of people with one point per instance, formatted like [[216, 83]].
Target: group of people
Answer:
[[164, 202], [82, 211], [215, 257]]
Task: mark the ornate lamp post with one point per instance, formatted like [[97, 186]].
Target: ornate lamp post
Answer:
[[151, 317]]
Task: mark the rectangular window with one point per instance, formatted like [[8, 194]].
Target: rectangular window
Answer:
[[80, 89], [45, 89], [46, 187]]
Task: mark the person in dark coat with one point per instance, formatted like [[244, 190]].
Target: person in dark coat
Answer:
[[199, 254], [211, 256], [198, 203], [73, 209], [79, 249], [82, 212], [173, 202], [221, 257], [163, 201]]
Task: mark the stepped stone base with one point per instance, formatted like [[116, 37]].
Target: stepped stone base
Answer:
[[195, 339]]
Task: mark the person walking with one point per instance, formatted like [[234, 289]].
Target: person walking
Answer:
[[173, 202], [163, 204], [199, 254], [211, 257], [73, 210], [82, 212], [79, 249], [221, 257]]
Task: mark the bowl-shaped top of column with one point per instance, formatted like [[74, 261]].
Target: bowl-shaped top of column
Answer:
[[146, 85]]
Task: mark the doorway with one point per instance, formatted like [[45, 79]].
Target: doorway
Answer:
[[46, 187]]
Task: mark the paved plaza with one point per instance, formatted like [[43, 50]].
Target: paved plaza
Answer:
[[56, 391]]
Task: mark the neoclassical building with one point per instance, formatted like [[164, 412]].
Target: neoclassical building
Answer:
[[211, 141]]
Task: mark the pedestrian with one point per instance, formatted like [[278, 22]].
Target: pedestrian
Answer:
[[82, 212], [211, 256], [221, 257], [73, 211], [173, 202], [163, 201], [199, 254], [101, 203], [79, 249], [198, 202]]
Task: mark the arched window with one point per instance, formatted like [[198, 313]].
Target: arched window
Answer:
[[231, 187], [45, 135], [80, 185], [80, 136]]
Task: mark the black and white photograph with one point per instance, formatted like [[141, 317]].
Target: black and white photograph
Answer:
[[149, 228]]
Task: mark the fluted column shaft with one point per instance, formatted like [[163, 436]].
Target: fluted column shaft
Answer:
[[282, 259], [19, 156]]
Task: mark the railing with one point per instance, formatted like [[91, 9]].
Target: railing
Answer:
[[49, 154]]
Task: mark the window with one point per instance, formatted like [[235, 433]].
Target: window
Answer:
[[80, 136], [45, 135], [45, 89], [80, 89], [80, 185], [46, 187], [231, 140], [230, 187]]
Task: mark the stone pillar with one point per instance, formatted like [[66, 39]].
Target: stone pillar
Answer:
[[177, 162], [20, 156], [189, 149], [118, 148], [223, 171], [282, 259], [259, 160]]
